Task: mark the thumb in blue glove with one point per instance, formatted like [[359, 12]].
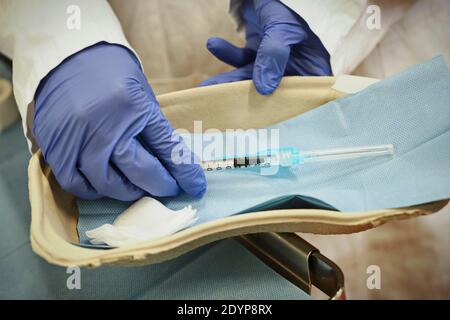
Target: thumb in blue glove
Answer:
[[279, 43], [101, 130]]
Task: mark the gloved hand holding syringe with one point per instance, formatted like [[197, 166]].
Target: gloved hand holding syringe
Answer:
[[292, 157]]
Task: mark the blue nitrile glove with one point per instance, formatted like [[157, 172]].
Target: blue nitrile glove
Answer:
[[101, 130], [279, 42]]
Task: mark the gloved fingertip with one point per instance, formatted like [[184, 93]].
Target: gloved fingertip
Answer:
[[197, 184], [207, 82], [266, 82], [229, 53], [264, 89], [213, 43], [198, 191], [219, 48], [270, 65]]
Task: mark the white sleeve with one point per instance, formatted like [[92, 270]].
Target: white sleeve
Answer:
[[341, 25], [330, 20], [39, 35], [346, 27]]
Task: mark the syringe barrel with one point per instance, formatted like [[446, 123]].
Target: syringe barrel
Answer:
[[285, 157]]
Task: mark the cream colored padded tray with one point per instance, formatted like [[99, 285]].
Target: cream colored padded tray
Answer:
[[235, 105]]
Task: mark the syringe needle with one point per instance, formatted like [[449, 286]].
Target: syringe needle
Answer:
[[346, 153]]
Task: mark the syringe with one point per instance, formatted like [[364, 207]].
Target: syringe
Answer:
[[291, 157]]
